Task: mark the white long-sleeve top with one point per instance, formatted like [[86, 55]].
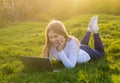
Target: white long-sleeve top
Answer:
[[70, 55]]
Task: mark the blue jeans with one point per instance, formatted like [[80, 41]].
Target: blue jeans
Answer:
[[98, 45]]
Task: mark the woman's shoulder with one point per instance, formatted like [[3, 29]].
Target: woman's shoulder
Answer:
[[73, 40]]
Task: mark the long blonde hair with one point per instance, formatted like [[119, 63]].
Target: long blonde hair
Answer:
[[59, 28]]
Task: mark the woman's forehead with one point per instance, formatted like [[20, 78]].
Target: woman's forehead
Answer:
[[52, 33]]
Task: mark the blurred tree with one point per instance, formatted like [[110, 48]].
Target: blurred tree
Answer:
[[43, 10]]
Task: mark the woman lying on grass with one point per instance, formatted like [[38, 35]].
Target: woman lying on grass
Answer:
[[67, 49]]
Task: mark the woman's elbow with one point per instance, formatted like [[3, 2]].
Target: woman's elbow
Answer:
[[70, 66]]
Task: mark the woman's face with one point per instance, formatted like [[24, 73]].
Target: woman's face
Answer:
[[54, 38]]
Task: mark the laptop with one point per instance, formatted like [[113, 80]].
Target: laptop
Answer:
[[36, 63]]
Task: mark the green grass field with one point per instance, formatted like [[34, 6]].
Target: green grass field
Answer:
[[28, 38]]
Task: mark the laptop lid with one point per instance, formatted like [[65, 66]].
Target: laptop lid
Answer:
[[36, 63]]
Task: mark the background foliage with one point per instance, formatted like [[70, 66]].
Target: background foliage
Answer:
[[43, 10]]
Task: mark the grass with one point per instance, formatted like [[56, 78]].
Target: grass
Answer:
[[28, 38]]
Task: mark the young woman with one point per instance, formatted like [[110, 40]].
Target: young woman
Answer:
[[67, 48]]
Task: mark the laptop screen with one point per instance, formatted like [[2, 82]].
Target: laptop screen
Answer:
[[35, 62]]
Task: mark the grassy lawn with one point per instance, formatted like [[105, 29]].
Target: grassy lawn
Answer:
[[28, 38]]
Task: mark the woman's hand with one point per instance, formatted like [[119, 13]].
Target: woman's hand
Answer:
[[62, 42]]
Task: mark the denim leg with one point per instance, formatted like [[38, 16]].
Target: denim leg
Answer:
[[86, 38], [94, 54], [98, 45]]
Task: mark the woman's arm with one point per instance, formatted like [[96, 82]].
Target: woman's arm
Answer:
[[70, 60]]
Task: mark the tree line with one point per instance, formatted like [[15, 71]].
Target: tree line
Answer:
[[42, 10]]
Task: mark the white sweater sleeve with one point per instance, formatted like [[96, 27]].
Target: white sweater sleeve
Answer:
[[70, 60]]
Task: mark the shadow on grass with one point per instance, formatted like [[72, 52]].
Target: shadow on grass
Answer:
[[95, 71]]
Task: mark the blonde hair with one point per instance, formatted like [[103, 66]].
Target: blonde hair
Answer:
[[59, 28]]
